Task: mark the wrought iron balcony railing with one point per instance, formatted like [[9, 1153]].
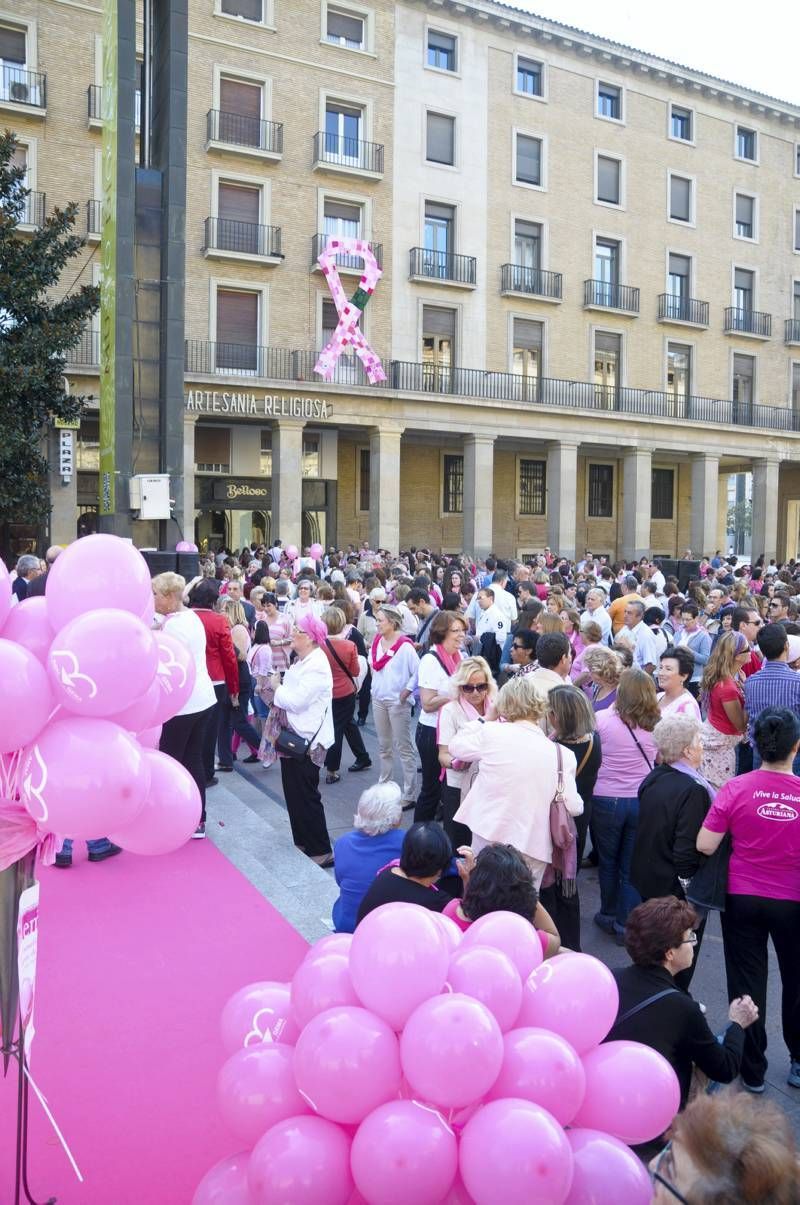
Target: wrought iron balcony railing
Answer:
[[338, 151], [94, 217], [442, 265], [682, 309], [85, 353], [791, 330], [21, 87], [243, 238], [251, 133], [352, 263], [33, 209], [747, 322], [535, 282], [609, 296]]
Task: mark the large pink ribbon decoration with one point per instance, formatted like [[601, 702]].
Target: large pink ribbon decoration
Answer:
[[348, 332]]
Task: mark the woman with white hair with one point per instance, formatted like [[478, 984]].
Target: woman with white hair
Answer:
[[375, 841]]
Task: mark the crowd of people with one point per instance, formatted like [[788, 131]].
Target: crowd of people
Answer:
[[536, 718]]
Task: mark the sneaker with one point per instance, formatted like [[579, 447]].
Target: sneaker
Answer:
[[224, 769], [200, 831], [754, 1089], [100, 855], [212, 782], [606, 923], [251, 760], [64, 860], [793, 1079]]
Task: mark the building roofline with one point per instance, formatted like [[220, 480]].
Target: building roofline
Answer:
[[620, 55]]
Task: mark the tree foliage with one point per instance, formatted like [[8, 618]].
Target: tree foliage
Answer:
[[41, 319]]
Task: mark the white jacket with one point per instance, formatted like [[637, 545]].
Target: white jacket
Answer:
[[306, 694]]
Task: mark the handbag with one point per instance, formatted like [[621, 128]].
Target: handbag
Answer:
[[560, 830], [564, 863], [708, 886], [291, 744]]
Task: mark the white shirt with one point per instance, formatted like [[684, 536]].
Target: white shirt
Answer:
[[492, 620], [658, 580], [188, 628], [306, 694], [432, 676], [645, 650], [601, 617], [399, 674]]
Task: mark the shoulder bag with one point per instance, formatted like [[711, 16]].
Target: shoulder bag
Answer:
[[291, 744], [564, 863], [638, 746], [708, 886], [342, 666]]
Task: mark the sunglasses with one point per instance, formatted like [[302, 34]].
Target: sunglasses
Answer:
[[518, 646], [480, 688]]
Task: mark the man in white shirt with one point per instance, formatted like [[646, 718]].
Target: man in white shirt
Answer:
[[504, 598], [655, 575], [596, 610], [645, 654], [490, 618]]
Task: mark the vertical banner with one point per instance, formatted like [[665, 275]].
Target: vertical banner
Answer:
[[27, 936], [108, 261]]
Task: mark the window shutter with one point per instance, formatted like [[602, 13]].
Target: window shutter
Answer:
[[678, 265], [12, 45], [242, 99], [441, 41], [744, 209], [20, 157], [680, 192], [237, 317], [340, 25], [529, 159], [249, 9], [608, 172], [527, 335], [238, 204], [604, 341], [440, 143], [338, 210], [437, 321], [531, 230]]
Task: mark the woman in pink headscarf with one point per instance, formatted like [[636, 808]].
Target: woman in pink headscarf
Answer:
[[303, 704]]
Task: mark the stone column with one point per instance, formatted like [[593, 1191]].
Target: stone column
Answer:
[[637, 488], [184, 510], [287, 481], [384, 487], [705, 504], [562, 490], [478, 494], [765, 509]]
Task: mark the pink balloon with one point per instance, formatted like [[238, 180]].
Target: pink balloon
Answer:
[[491, 977], [321, 981], [5, 593], [576, 997], [451, 1050], [515, 1152], [256, 1089], [316, 551], [301, 1161], [346, 1063], [97, 571], [170, 813], [185, 546], [101, 662], [398, 959], [258, 1013], [292, 552], [142, 712], [225, 1183], [26, 699], [458, 1194], [541, 1066], [606, 1171], [83, 777], [29, 626], [631, 1092], [339, 943], [404, 1152], [150, 738], [450, 930], [175, 676], [510, 933]]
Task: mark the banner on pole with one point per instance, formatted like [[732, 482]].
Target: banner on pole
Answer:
[[27, 938], [108, 261]]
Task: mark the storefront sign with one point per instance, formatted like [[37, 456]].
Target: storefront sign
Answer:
[[267, 405], [240, 494]]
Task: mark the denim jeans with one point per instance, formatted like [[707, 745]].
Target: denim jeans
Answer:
[[94, 847], [614, 824]]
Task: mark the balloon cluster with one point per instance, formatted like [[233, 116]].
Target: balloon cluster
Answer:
[[87, 686], [411, 1063]]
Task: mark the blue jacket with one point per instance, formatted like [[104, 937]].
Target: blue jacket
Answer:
[[358, 860]]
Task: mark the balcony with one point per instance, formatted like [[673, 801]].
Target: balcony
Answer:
[[244, 135], [273, 365], [684, 311], [751, 323], [443, 267], [602, 295], [345, 263], [348, 156], [791, 330], [518, 281], [94, 105], [85, 353], [33, 210], [94, 220], [227, 239], [23, 91]]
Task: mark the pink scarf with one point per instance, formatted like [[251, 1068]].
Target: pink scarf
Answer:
[[381, 661], [450, 661]]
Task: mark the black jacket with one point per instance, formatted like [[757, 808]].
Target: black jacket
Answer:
[[672, 808], [675, 1027]]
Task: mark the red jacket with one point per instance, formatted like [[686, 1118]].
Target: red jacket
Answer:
[[220, 653]]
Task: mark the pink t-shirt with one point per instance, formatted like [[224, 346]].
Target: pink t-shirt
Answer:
[[624, 763], [761, 811], [451, 909]]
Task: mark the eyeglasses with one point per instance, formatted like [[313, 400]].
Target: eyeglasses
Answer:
[[518, 646], [691, 940], [480, 687], [665, 1159]]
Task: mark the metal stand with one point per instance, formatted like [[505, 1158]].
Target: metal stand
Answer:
[[15, 1051]]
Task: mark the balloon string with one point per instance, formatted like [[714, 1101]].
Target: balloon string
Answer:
[[52, 1121]]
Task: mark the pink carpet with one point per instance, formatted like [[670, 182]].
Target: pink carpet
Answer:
[[137, 956]]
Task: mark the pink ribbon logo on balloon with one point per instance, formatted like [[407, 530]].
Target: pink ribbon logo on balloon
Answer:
[[348, 333], [78, 686]]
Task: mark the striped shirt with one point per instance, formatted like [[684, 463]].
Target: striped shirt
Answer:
[[774, 685]]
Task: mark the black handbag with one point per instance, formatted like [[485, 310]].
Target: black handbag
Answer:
[[291, 744], [708, 886]]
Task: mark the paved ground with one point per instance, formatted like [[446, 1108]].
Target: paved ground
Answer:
[[247, 820]]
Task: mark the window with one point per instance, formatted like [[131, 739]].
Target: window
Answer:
[[528, 160], [530, 75], [310, 456], [796, 300], [609, 101], [527, 349], [14, 81], [607, 360], [744, 216], [240, 113], [797, 229], [438, 347], [680, 199], [601, 491], [343, 219], [238, 218], [678, 280], [795, 398], [746, 144], [527, 244], [343, 125], [744, 371], [681, 123], [441, 51], [440, 139], [212, 449], [679, 365], [452, 485], [440, 223], [797, 158], [265, 457], [247, 10], [87, 451], [606, 261], [532, 487], [237, 330], [609, 173], [743, 281], [344, 28], [662, 494], [363, 479]]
